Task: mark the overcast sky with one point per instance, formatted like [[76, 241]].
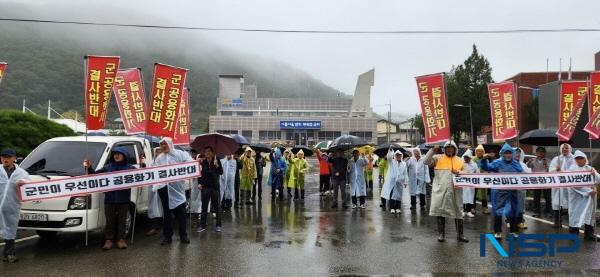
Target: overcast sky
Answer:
[[338, 59]]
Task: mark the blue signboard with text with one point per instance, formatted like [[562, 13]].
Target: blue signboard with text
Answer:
[[300, 124]]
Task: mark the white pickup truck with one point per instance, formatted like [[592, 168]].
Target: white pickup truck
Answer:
[[62, 157]]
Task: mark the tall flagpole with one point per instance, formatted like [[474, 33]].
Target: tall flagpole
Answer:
[[87, 203]]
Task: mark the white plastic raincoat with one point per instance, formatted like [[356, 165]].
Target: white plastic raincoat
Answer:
[[10, 206], [228, 178], [468, 194], [418, 175], [396, 178], [176, 190], [356, 176], [565, 162], [582, 204]]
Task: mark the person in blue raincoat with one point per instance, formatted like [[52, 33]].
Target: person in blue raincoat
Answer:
[[582, 200], [116, 202], [504, 199], [277, 173], [11, 177], [356, 177], [172, 195], [228, 182], [418, 175], [395, 181]]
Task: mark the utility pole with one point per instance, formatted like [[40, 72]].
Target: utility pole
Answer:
[[389, 121]]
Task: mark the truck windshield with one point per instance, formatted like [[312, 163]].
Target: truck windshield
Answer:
[[63, 158]]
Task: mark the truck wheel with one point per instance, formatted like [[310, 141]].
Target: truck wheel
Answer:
[[129, 219], [47, 235]]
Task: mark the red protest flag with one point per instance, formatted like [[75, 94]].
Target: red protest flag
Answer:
[[572, 97], [432, 95], [503, 108], [100, 73], [167, 86], [593, 125], [2, 70], [182, 129], [129, 93]]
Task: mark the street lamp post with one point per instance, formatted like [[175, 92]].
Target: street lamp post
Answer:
[[470, 119]]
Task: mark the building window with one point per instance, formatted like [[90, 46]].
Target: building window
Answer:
[[247, 134], [328, 135], [365, 135], [269, 135], [227, 132], [228, 113], [245, 113]]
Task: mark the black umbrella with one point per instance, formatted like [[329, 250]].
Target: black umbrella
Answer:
[[221, 144], [540, 137], [382, 149], [241, 140], [307, 151], [346, 142], [260, 148]]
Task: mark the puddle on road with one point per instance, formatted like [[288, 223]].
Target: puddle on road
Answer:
[[400, 239], [277, 243]]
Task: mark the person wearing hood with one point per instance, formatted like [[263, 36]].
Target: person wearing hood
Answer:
[[540, 164], [369, 171], [395, 181], [287, 157], [582, 200], [418, 174], [277, 173], [298, 170], [11, 177], [324, 172], [227, 182], [116, 202], [560, 196], [172, 195], [356, 178], [247, 176], [484, 194], [208, 183], [520, 156], [446, 201], [258, 182], [382, 167], [504, 202], [469, 166]]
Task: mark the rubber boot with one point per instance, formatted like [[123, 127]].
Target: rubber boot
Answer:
[[556, 215], [459, 231], [302, 194], [296, 194], [422, 201], [249, 197], [413, 202], [383, 204], [588, 233], [441, 222]]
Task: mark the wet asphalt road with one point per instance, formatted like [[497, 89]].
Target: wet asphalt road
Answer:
[[295, 238]]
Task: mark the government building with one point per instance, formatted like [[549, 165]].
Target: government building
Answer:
[[295, 121]]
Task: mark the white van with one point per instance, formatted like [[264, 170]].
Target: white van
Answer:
[[62, 157]]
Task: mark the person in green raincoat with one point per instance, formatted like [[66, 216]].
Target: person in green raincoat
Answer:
[[287, 156], [382, 167], [298, 170], [369, 171], [247, 176]]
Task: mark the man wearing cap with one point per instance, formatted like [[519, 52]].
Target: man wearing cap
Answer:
[[446, 201], [11, 177]]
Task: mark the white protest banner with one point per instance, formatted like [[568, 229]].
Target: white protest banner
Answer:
[[537, 180], [104, 182]]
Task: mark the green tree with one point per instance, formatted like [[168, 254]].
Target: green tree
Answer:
[[467, 84], [25, 131], [417, 122]]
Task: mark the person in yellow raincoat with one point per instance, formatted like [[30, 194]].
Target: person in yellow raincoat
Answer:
[[446, 201], [247, 176], [369, 171], [298, 170], [287, 156], [382, 167]]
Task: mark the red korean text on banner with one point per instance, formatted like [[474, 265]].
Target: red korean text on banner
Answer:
[[2, 70], [129, 93], [432, 95], [503, 104], [182, 130], [593, 125], [100, 73], [167, 86], [572, 97]]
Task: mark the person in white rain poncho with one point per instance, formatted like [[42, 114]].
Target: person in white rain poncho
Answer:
[[418, 175], [228, 182], [356, 177], [562, 162], [582, 200], [395, 181], [172, 195], [468, 194], [11, 177]]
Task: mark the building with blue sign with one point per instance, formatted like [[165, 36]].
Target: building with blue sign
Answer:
[[296, 121]]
